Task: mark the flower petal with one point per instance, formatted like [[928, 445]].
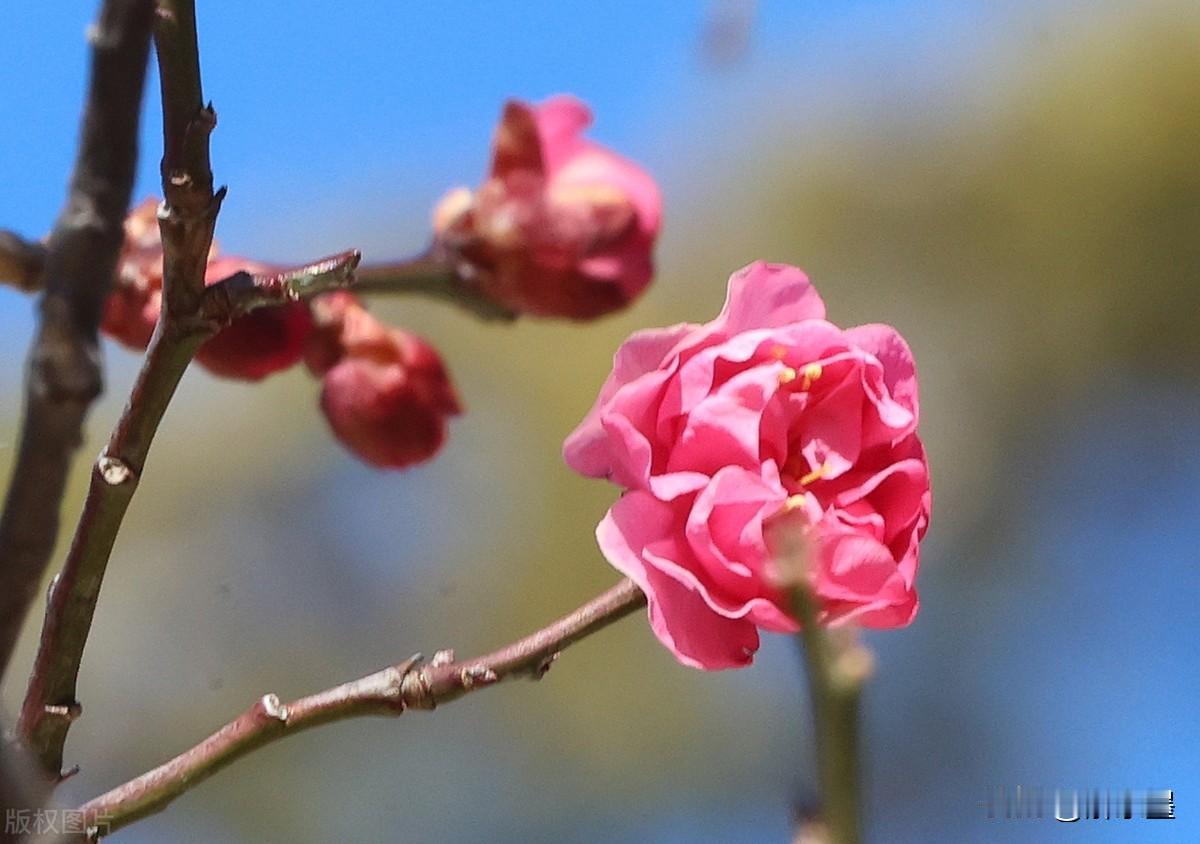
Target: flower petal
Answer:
[[679, 616], [586, 449], [560, 121], [764, 295], [899, 367]]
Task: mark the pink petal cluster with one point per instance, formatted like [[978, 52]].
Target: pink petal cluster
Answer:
[[715, 429], [385, 392], [562, 226]]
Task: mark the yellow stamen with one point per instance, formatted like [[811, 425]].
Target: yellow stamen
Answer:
[[815, 475], [793, 502], [811, 373], [779, 351], [787, 375]]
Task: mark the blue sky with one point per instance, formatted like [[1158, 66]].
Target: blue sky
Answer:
[[330, 108]]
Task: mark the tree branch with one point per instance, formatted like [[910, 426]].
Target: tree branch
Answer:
[[80, 260], [426, 274], [191, 314], [432, 274], [50, 704], [186, 220], [407, 685]]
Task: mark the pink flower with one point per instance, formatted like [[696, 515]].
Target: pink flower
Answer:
[[261, 342], [715, 429], [562, 226], [385, 392]]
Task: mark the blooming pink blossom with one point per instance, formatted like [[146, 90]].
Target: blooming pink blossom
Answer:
[[715, 429], [385, 392], [562, 226]]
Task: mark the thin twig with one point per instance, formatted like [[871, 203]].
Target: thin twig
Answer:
[[838, 668], [50, 705], [244, 292], [436, 275], [407, 685], [64, 375]]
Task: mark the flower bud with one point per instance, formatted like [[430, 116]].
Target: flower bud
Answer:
[[260, 343], [132, 308], [385, 392], [562, 226]]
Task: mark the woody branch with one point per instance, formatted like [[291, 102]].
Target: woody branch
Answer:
[[407, 685], [75, 271], [191, 314]]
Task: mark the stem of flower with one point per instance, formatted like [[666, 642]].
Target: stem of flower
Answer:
[[838, 667], [410, 684], [435, 275]]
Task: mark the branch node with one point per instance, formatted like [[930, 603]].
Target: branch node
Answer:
[[64, 370], [417, 690], [270, 706], [539, 670], [114, 471], [476, 675], [444, 657], [70, 712], [53, 585]]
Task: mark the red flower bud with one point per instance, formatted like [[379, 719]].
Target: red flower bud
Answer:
[[260, 343], [562, 226], [132, 308], [385, 392]]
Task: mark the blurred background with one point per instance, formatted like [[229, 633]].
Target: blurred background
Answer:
[[1015, 185]]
